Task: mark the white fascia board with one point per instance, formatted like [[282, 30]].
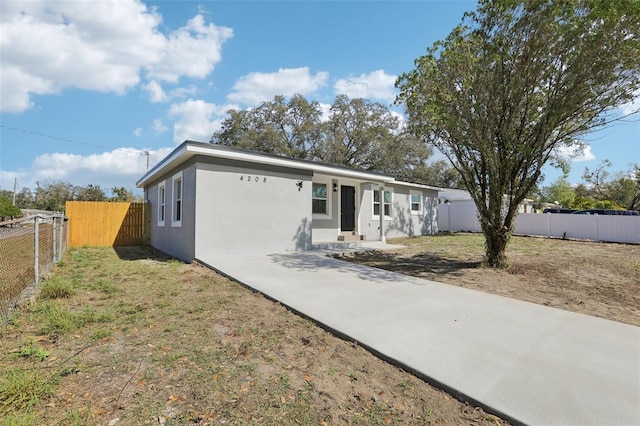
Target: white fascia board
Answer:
[[416, 185], [171, 160], [187, 150], [292, 163]]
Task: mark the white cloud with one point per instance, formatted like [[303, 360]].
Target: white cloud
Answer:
[[155, 91], [119, 167], [137, 132], [196, 120], [183, 92], [258, 87], [104, 46], [576, 153], [158, 126], [375, 85], [325, 111], [190, 51], [633, 106]]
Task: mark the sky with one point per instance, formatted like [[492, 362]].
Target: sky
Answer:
[[88, 88]]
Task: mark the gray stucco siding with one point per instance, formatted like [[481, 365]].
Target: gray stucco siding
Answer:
[[402, 222], [327, 229], [245, 208], [176, 241]]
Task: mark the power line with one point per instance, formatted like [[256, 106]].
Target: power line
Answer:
[[53, 137]]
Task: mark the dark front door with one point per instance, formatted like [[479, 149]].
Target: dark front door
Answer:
[[347, 208]]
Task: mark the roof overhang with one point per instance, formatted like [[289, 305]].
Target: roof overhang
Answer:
[[189, 149]]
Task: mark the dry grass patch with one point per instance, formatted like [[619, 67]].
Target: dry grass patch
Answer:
[[143, 339], [600, 279]]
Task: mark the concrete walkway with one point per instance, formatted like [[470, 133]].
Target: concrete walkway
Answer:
[[528, 363]]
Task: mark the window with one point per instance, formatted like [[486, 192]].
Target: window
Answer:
[[161, 203], [386, 203], [319, 198], [416, 203], [176, 218]]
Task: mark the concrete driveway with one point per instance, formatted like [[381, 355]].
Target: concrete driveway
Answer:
[[528, 363]]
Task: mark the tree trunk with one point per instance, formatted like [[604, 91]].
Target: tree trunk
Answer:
[[495, 246]]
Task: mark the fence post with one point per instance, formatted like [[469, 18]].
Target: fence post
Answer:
[[53, 240], [548, 225], [36, 253], [60, 242]]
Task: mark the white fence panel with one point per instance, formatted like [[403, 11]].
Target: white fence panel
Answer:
[[461, 216], [533, 224], [580, 226], [623, 229]]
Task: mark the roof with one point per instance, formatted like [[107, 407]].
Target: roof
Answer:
[[189, 149]]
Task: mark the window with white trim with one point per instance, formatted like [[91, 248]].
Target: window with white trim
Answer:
[[162, 193], [319, 198], [386, 203], [176, 211], [416, 202]]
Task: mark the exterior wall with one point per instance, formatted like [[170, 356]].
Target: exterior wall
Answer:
[[176, 241], [328, 229], [245, 209], [401, 222]]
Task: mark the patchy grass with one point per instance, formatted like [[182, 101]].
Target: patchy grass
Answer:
[[599, 279], [143, 339]]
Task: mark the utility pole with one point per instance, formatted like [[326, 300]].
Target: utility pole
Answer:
[[15, 185], [146, 153]]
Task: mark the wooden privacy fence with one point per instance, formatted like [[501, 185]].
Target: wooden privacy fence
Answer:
[[95, 223]]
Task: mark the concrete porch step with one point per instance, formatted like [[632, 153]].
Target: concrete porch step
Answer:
[[351, 236]]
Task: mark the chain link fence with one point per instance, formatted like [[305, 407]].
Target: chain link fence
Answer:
[[29, 247]]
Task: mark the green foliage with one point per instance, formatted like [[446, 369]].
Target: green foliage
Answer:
[[356, 133], [621, 190], [515, 82], [559, 192], [90, 193], [21, 389], [52, 195], [7, 209], [35, 352], [56, 288], [122, 194]]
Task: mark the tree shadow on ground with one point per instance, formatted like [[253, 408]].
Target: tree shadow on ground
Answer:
[[141, 253], [373, 266], [417, 265]]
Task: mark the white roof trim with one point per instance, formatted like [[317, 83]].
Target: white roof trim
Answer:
[[189, 149], [415, 185]]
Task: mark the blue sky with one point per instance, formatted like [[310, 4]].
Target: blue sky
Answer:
[[86, 87]]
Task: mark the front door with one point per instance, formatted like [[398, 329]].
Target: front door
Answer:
[[347, 208]]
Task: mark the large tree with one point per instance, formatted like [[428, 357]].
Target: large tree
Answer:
[[354, 132], [7, 209], [278, 127], [52, 194], [622, 189], [367, 135], [515, 81]]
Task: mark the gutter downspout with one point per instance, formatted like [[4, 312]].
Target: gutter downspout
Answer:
[[382, 236]]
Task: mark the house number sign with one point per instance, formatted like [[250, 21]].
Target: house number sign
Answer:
[[255, 179]]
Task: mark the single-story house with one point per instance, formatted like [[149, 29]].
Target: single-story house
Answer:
[[209, 200]]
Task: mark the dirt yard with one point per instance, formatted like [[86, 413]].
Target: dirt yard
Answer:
[[599, 279], [131, 337]]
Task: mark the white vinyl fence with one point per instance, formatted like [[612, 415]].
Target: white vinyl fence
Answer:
[[463, 216]]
